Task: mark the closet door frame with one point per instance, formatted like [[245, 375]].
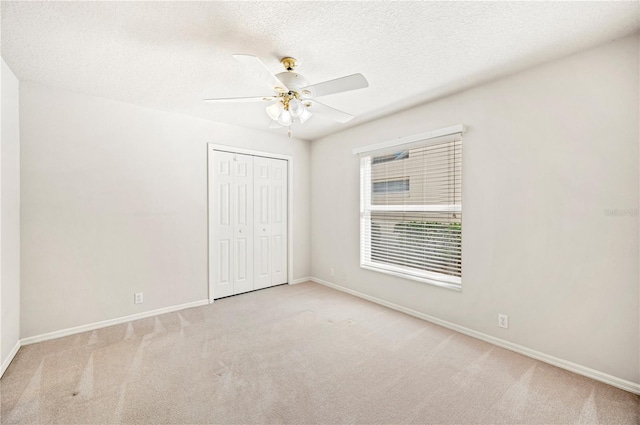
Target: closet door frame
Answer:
[[210, 197]]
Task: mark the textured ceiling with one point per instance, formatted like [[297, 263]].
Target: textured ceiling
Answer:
[[171, 55]]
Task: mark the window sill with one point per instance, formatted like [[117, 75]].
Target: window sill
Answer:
[[448, 285]]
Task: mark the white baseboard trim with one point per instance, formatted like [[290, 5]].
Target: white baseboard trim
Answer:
[[614, 381], [9, 359], [300, 280], [109, 322]]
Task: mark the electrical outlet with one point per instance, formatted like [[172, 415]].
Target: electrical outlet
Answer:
[[503, 321], [138, 298], [333, 272]]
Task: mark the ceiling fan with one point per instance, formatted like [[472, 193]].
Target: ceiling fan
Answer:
[[295, 99]]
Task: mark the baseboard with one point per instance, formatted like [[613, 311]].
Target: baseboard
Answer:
[[301, 280], [614, 381], [110, 322], [9, 359]]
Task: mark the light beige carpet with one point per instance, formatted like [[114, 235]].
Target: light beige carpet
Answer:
[[300, 354]]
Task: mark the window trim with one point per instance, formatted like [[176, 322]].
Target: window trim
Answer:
[[408, 142], [424, 139]]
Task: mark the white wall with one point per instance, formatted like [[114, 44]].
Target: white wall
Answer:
[[9, 217], [548, 152], [114, 201]]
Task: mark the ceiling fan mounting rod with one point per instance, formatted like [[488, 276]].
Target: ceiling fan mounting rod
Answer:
[[289, 63]]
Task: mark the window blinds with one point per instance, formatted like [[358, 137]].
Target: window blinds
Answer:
[[414, 228]]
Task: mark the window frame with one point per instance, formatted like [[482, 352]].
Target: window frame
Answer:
[[449, 134]]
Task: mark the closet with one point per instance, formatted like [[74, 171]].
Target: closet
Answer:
[[247, 222]]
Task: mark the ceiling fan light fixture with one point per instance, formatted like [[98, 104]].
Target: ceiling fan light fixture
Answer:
[[284, 118], [304, 116], [296, 108], [275, 110]]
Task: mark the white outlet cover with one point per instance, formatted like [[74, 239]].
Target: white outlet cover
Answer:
[[503, 321]]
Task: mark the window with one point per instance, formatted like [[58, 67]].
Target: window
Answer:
[[391, 157], [414, 231], [391, 186]]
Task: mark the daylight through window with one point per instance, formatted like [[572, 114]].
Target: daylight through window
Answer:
[[411, 212]]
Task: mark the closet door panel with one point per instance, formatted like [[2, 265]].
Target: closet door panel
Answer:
[[222, 226], [279, 238], [243, 223], [262, 219]]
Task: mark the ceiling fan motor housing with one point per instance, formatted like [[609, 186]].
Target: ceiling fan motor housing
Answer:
[[293, 81]]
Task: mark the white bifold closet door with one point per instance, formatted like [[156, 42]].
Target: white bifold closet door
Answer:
[[248, 208], [270, 221], [232, 223]]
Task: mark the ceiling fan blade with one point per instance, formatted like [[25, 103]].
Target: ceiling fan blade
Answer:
[[339, 85], [264, 74], [329, 112], [242, 99]]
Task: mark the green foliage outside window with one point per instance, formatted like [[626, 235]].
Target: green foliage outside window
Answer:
[[429, 244]]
